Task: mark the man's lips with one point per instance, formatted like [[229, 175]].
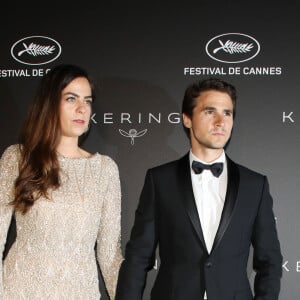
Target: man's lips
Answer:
[[218, 133]]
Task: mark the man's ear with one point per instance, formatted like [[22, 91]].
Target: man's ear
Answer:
[[187, 122]]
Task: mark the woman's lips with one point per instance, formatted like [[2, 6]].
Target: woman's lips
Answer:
[[78, 121]]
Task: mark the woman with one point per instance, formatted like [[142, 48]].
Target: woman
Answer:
[[64, 199]]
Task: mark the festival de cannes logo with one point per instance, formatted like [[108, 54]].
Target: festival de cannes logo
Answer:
[[232, 47], [36, 50]]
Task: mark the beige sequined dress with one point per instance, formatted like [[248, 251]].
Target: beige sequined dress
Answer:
[[53, 256]]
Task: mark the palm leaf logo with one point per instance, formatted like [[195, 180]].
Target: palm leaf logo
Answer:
[[234, 47], [35, 50]]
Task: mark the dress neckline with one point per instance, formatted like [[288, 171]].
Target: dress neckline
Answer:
[[77, 158]]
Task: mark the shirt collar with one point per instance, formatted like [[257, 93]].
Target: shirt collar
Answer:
[[221, 158]]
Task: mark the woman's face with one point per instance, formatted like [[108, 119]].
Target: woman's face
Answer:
[[75, 107]]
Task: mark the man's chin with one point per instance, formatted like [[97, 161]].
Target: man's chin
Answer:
[[217, 146]]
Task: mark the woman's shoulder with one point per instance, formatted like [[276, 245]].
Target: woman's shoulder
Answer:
[[10, 159], [105, 161], [11, 152]]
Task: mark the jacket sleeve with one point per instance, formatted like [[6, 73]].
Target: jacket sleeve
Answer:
[[8, 174], [140, 250], [267, 258], [109, 235]]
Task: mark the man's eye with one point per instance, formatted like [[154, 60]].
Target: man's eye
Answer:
[[209, 112]]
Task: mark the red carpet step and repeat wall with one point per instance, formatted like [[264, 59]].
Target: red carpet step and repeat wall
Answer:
[[142, 57]]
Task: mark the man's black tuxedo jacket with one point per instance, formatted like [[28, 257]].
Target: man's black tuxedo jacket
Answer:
[[167, 217]]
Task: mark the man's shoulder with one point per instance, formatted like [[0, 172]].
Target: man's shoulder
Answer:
[[171, 165], [245, 169]]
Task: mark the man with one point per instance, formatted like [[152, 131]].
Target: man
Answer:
[[204, 220]]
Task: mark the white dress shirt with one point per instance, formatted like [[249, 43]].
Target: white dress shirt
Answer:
[[209, 192]]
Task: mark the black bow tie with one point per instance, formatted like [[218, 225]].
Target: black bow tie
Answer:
[[215, 168]]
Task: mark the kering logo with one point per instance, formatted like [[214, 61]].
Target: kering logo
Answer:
[[288, 267], [36, 50], [136, 119], [232, 47], [132, 134]]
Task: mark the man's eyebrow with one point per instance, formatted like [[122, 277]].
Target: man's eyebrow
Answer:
[[209, 108], [227, 110]]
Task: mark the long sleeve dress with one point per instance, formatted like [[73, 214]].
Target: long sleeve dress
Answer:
[[53, 256]]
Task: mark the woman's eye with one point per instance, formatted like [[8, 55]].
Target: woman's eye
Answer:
[[71, 99], [89, 102]]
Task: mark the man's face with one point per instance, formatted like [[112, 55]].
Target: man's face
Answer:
[[212, 120]]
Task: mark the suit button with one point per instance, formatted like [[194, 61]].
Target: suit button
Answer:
[[208, 264]]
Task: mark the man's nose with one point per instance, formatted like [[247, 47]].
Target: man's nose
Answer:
[[219, 120]]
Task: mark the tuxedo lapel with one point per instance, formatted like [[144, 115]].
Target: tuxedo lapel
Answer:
[[230, 200], [184, 178]]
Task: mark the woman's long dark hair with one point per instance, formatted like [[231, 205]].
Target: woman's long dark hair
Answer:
[[39, 167]]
